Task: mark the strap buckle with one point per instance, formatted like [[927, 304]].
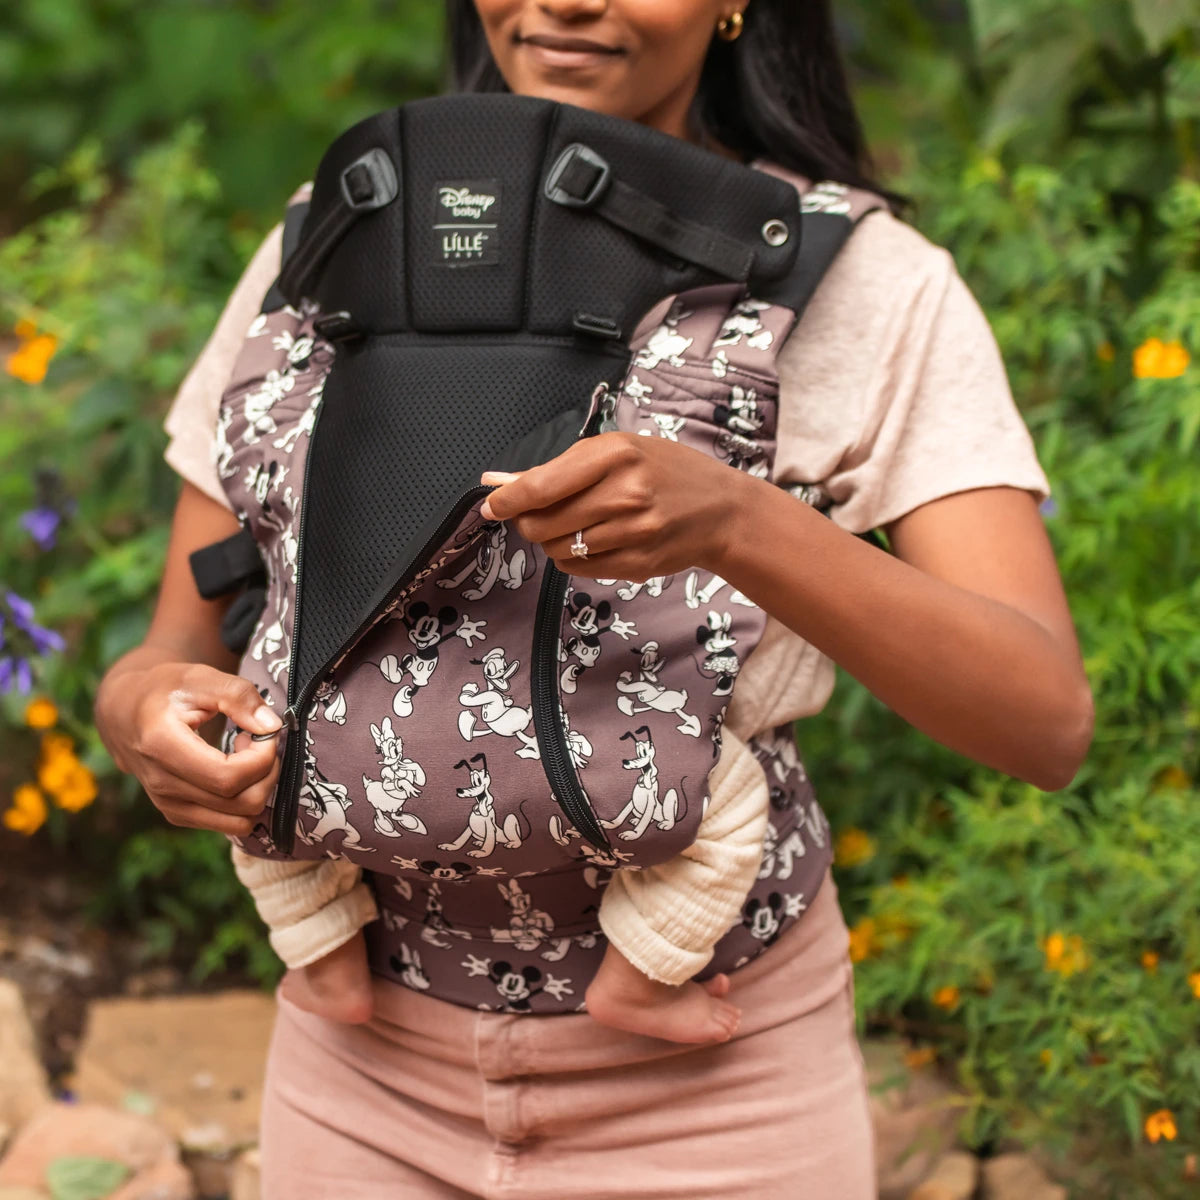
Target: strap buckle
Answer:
[[370, 182], [579, 177]]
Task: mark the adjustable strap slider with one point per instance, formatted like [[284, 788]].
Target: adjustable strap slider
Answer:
[[339, 327], [370, 181], [579, 177]]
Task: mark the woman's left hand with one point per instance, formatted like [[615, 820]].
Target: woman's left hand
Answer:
[[647, 506]]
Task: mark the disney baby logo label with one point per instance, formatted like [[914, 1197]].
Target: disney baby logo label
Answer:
[[467, 224], [462, 202]]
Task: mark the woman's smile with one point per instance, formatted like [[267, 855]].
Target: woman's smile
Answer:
[[556, 52]]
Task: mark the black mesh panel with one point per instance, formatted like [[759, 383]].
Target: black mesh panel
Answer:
[[405, 429]]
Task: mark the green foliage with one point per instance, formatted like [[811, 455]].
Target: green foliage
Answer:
[[84, 1177], [1065, 925], [268, 75], [128, 277]]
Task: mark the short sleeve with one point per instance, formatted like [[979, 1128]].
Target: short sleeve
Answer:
[[191, 420], [896, 394]]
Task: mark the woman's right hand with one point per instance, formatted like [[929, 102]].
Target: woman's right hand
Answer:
[[152, 703], [151, 719]]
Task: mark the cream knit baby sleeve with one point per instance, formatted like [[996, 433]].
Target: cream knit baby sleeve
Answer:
[[667, 919], [310, 908]]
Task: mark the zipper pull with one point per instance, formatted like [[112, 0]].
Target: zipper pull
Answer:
[[291, 720], [600, 412]]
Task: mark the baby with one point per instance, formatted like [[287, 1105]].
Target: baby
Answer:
[[661, 923]]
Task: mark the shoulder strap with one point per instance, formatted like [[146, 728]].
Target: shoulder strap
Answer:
[[293, 222], [830, 213]]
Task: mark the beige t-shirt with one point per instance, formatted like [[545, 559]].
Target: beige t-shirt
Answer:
[[892, 394]]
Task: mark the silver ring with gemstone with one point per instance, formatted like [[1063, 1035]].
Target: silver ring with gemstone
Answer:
[[579, 547]]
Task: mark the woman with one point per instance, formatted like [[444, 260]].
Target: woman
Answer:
[[894, 400]]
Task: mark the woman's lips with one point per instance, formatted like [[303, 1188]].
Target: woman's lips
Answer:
[[567, 52]]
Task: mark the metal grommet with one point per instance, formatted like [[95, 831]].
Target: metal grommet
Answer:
[[775, 232]]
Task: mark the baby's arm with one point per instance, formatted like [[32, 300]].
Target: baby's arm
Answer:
[[667, 919], [315, 912]]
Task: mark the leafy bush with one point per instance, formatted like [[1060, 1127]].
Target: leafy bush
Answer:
[[1047, 947], [110, 296]]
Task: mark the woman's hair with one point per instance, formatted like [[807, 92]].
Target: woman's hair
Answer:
[[778, 92]]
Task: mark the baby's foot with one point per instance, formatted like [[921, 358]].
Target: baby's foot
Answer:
[[337, 986], [622, 997]]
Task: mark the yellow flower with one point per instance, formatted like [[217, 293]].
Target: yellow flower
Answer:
[[1194, 983], [56, 745], [947, 998], [28, 812], [853, 847], [1173, 777], [1156, 359], [862, 940], [77, 790], [1065, 955], [1106, 352], [1161, 1124], [919, 1056], [41, 714], [1047, 1057], [1150, 961], [30, 360]]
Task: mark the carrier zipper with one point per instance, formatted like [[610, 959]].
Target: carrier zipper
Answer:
[[553, 748], [287, 796]]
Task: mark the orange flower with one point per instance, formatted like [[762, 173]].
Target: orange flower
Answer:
[[1150, 961], [1047, 1057], [31, 358], [853, 847], [77, 790], [862, 940], [1194, 983], [56, 745], [919, 1056], [947, 998], [28, 812], [1161, 1124], [41, 714], [1156, 359], [1065, 955]]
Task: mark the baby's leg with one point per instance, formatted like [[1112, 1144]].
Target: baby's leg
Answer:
[[662, 922], [621, 996], [315, 911], [337, 985]]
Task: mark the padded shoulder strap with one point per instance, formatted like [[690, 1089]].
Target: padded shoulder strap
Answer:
[[830, 213]]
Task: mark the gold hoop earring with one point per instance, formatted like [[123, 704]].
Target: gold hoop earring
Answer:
[[729, 28]]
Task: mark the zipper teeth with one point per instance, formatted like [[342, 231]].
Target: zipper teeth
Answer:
[[283, 811], [287, 800], [555, 753]]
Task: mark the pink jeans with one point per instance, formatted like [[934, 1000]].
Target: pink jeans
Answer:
[[433, 1100]]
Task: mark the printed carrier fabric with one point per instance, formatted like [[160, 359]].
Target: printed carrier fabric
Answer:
[[488, 896]]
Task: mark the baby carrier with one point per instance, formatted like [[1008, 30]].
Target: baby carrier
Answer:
[[461, 293]]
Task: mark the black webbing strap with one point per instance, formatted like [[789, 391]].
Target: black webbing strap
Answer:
[[293, 222], [225, 566], [580, 178], [822, 236], [367, 184]]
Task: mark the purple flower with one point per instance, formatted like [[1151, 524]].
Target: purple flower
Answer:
[[16, 671], [42, 525], [1048, 507], [23, 634]]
